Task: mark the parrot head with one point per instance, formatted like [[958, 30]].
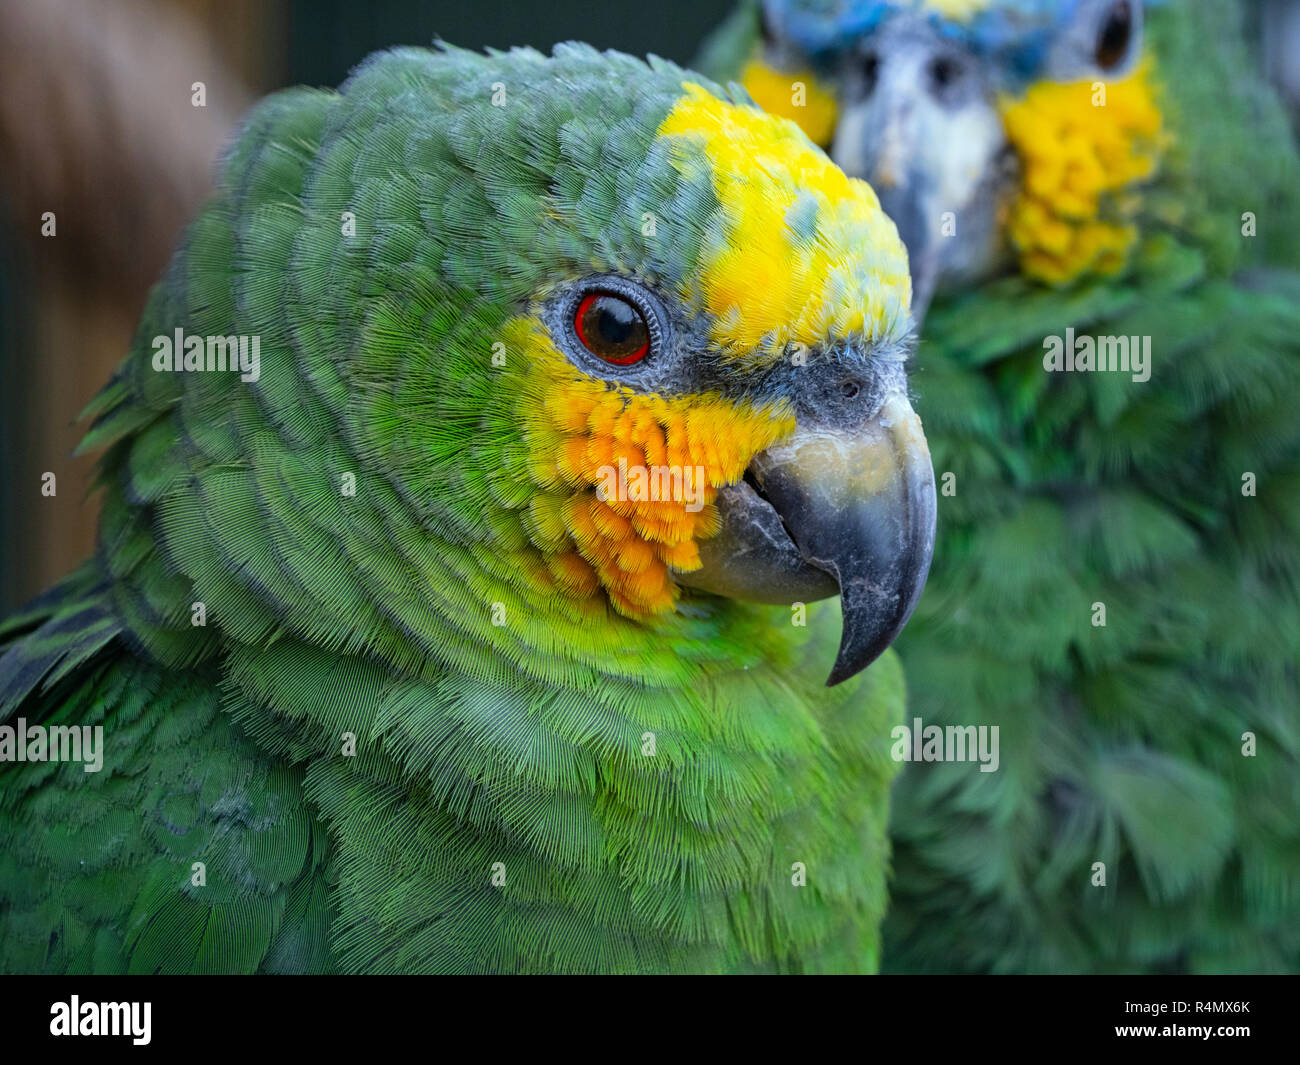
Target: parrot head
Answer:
[[711, 390], [604, 349], [996, 132]]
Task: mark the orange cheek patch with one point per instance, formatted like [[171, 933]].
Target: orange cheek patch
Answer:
[[600, 531]]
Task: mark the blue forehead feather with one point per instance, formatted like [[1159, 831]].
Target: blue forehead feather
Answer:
[[1017, 34]]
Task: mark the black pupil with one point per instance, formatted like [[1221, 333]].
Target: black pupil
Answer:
[[614, 328], [1115, 33]]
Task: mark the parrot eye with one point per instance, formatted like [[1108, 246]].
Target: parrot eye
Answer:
[[1114, 36], [948, 76], [612, 328], [612, 325]]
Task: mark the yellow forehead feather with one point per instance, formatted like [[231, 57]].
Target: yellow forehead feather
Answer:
[[956, 10], [802, 253], [798, 96]]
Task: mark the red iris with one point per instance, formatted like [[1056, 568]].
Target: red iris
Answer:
[[612, 328]]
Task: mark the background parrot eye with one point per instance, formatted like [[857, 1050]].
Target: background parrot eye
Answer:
[[948, 78], [1114, 36], [612, 328]]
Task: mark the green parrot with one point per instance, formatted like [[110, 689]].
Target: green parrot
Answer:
[[1117, 584], [468, 495]]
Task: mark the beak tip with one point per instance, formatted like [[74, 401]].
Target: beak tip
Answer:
[[838, 676], [853, 658]]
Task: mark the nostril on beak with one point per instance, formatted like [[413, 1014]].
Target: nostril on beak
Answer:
[[850, 389], [870, 73], [943, 71]]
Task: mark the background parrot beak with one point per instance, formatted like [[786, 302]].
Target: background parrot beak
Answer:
[[859, 505], [909, 206], [918, 123], [875, 141], [835, 508]]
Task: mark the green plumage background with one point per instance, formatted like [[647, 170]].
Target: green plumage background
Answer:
[[1119, 744], [1123, 744]]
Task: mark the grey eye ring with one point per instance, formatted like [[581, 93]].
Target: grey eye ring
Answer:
[[610, 324]]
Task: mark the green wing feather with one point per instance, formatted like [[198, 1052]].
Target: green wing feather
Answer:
[[1122, 744], [97, 869]]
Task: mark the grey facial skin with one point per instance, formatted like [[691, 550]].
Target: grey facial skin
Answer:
[[846, 505]]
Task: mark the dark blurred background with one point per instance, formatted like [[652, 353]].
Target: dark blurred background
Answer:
[[97, 125]]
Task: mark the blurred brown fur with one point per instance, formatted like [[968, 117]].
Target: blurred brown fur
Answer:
[[97, 125]]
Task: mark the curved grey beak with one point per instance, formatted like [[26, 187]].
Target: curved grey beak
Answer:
[[861, 507], [834, 508]]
